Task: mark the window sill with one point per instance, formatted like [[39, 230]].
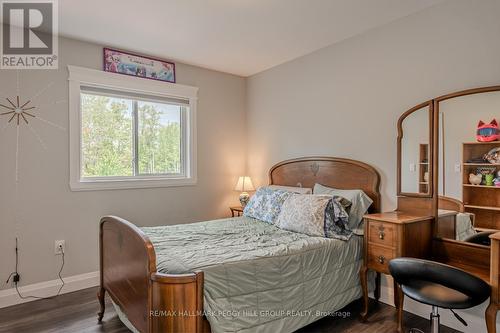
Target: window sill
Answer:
[[99, 185]]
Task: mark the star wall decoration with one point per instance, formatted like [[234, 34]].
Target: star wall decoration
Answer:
[[18, 111]]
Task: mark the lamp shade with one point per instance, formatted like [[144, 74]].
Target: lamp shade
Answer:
[[244, 184]]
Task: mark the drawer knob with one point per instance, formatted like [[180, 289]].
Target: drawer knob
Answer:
[[381, 259], [381, 234]]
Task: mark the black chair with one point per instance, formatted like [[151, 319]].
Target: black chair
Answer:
[[482, 238], [438, 285]]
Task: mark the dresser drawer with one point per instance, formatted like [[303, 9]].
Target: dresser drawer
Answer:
[[379, 256], [381, 233]]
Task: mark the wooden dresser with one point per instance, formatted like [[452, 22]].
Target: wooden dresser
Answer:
[[430, 122], [388, 236]]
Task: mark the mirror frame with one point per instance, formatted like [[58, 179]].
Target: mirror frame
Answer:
[[471, 257], [432, 132]]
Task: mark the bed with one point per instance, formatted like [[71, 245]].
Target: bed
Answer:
[[161, 285]]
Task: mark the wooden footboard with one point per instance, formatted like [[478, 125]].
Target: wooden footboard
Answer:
[[152, 301]]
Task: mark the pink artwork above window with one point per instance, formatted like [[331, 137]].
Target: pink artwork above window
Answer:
[[135, 65]]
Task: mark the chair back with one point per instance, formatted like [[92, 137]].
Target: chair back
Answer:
[[405, 270]]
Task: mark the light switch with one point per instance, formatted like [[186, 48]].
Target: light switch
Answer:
[[458, 167], [413, 167]]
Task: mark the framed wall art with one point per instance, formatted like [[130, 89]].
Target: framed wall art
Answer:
[[121, 62]]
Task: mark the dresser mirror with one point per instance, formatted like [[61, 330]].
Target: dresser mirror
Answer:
[[415, 151], [468, 184], [463, 189]]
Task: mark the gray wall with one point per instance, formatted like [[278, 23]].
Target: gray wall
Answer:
[[46, 209], [344, 100]]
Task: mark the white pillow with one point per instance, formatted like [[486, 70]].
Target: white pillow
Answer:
[[304, 213], [299, 190], [360, 203]]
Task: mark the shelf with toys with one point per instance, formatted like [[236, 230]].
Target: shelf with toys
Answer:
[[481, 178]]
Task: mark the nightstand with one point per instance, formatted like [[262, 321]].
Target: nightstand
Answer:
[[236, 211], [388, 236]]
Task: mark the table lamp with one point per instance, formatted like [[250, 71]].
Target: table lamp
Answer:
[[244, 184]]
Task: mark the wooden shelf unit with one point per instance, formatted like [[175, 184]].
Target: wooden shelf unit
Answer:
[[482, 200], [423, 167]]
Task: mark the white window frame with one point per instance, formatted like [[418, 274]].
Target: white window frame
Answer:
[[83, 77]]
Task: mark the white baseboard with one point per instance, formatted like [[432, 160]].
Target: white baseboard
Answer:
[[10, 297], [473, 316]]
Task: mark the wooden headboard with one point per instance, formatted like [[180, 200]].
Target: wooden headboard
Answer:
[[334, 172]]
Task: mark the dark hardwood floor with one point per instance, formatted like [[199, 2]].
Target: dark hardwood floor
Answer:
[[77, 312]]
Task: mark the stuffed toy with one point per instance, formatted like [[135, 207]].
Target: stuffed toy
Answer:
[[487, 132], [475, 179]]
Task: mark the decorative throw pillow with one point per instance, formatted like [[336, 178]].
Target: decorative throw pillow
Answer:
[[337, 219], [304, 213], [265, 204], [360, 203]]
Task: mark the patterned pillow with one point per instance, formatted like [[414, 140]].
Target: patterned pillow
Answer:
[[346, 204], [265, 204], [360, 204], [304, 213], [337, 219]]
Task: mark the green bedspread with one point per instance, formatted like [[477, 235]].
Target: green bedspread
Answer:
[[259, 277]]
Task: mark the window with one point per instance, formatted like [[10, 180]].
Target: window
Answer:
[[127, 138]]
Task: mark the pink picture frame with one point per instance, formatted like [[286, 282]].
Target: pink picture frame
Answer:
[[126, 63]]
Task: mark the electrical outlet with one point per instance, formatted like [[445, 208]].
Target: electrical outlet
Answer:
[[458, 167], [59, 247], [413, 167]]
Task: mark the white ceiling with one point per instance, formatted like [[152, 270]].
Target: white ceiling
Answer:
[[241, 37]]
